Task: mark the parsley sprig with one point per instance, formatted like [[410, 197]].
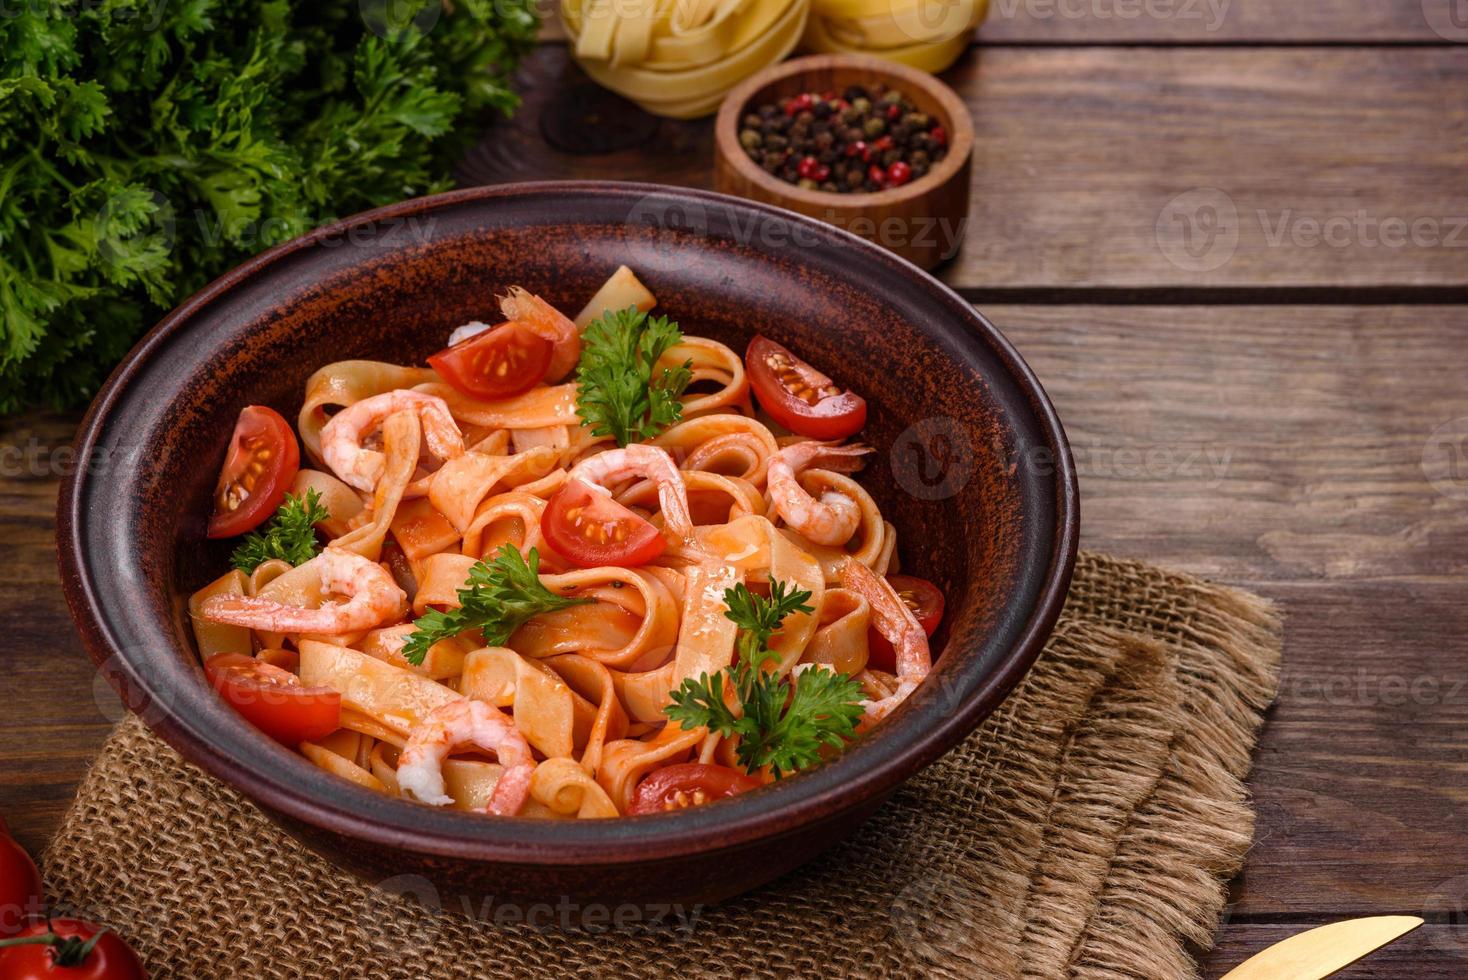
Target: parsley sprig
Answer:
[[290, 535], [618, 392], [783, 722], [147, 147], [501, 595]]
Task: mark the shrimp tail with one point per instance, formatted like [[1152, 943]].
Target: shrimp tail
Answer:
[[545, 321], [897, 623], [511, 791]]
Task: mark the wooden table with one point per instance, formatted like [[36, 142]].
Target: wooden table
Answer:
[[1282, 405]]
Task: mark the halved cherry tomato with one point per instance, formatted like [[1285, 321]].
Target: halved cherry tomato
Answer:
[[688, 784], [798, 396], [503, 362], [926, 603], [71, 949], [590, 529], [263, 460], [274, 700], [20, 886]]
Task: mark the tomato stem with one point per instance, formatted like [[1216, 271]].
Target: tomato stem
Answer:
[[49, 939], [67, 951]]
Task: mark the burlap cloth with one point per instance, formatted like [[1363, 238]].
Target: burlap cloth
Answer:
[[1087, 829]]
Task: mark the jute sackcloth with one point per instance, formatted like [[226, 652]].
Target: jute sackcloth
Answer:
[[1087, 829]]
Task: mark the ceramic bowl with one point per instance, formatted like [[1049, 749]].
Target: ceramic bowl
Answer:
[[974, 471]]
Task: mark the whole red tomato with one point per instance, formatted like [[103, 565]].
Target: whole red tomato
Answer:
[[68, 949], [20, 887]]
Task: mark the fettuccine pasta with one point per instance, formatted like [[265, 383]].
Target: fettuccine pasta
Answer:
[[503, 588]]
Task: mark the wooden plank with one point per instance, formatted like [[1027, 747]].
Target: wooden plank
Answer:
[[57, 713], [1261, 443], [1152, 169], [1221, 21], [1282, 448], [1360, 781]]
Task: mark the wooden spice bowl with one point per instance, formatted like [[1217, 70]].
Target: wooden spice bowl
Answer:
[[921, 221]]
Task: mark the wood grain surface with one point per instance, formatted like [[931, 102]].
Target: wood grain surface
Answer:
[[1286, 423], [1222, 21], [1151, 171]]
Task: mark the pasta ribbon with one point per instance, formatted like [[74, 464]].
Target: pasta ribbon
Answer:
[[571, 703], [928, 35], [678, 58]]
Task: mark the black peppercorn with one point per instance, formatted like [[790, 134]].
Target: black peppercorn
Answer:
[[869, 139]]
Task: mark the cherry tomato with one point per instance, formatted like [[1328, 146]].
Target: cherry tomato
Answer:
[[20, 887], [500, 363], [263, 460], [273, 699], [926, 603], [689, 784], [590, 529], [798, 396], [68, 949]]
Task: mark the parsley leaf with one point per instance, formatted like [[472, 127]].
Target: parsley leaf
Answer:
[[500, 597], [147, 147], [290, 535], [783, 722], [617, 392]]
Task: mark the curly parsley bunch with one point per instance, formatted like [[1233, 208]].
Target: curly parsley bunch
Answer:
[[148, 145]]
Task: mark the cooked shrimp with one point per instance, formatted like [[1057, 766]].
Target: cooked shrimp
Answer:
[[895, 621], [372, 598], [834, 518], [341, 439], [466, 722], [648, 462], [545, 321]]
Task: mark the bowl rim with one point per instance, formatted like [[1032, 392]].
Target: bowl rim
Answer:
[[960, 137], [813, 798]]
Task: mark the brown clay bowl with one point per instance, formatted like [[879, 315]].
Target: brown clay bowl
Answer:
[[996, 528], [921, 221]]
